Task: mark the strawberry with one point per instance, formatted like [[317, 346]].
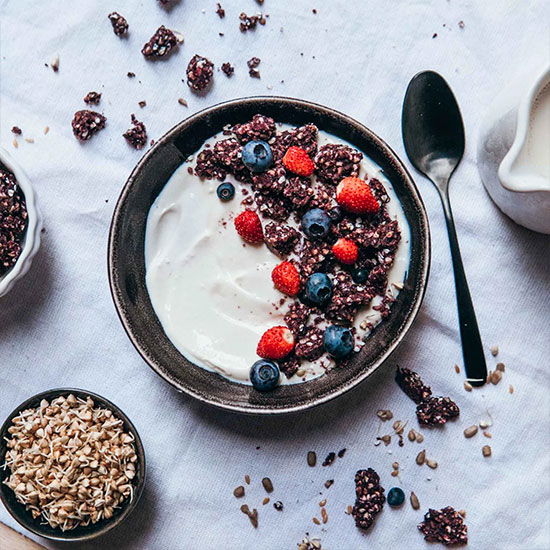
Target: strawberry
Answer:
[[286, 278], [298, 161], [249, 227], [345, 251], [275, 343], [355, 196]]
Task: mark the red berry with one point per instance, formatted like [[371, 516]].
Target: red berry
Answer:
[[276, 343], [298, 161], [355, 196], [345, 251], [249, 227], [286, 278]]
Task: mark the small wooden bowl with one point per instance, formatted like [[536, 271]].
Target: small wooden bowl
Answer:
[[38, 525]]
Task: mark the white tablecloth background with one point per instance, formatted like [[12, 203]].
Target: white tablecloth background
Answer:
[[58, 327]]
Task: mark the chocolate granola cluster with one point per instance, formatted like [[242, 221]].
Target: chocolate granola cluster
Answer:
[[369, 498], [119, 23], [430, 411], [445, 526], [13, 220], [200, 72], [136, 136], [160, 44], [281, 198], [92, 98], [87, 123]]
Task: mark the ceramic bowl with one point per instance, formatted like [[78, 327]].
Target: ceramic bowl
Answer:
[[34, 226], [38, 527], [127, 266]]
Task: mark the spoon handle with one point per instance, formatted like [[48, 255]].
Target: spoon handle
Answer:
[[472, 348]]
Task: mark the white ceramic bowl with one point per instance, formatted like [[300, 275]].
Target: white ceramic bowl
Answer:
[[34, 226]]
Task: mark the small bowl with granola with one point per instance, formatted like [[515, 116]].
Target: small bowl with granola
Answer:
[[72, 465], [268, 254], [20, 223]]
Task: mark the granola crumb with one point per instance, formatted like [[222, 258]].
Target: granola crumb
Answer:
[[137, 135], [16, 130], [182, 101], [253, 63], [92, 98], [119, 23], [160, 44], [87, 123], [228, 69], [200, 72]]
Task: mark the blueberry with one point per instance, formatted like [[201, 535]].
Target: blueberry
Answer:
[[225, 191], [316, 223], [336, 214], [318, 289], [257, 156], [360, 276], [338, 341], [264, 375], [396, 496]]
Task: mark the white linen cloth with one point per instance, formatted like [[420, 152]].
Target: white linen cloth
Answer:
[[58, 327]]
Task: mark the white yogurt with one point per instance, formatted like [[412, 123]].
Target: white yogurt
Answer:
[[213, 293]]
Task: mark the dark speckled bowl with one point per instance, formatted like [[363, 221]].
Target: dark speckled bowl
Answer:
[[127, 267], [39, 526]]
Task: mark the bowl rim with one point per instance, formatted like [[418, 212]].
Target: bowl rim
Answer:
[[318, 400], [34, 225], [125, 512]]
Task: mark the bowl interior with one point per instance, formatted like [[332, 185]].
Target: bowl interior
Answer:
[[127, 267], [24, 517]]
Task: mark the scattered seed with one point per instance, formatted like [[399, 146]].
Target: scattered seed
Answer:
[[182, 101], [329, 482], [265, 501], [494, 351], [16, 130], [316, 521], [398, 426], [462, 513], [414, 502], [395, 473], [300, 373], [349, 509], [323, 502], [384, 414], [278, 505], [311, 458], [386, 439], [432, 464], [510, 389], [457, 369], [468, 386], [501, 367], [341, 453], [329, 459], [485, 424], [398, 286], [471, 431], [247, 479], [488, 434], [419, 437], [54, 63], [15, 143], [238, 491], [486, 450], [411, 435], [46, 130], [29, 140], [421, 457], [142, 104], [496, 377], [268, 485], [324, 515], [395, 465]]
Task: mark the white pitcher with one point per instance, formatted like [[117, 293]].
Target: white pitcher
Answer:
[[513, 154]]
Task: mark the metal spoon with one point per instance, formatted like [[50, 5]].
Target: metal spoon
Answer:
[[434, 140]]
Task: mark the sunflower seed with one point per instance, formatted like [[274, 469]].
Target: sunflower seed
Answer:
[[323, 502], [265, 501], [15, 143], [384, 414], [486, 450], [349, 509], [488, 434], [316, 521], [510, 389], [29, 140], [247, 479], [411, 435], [471, 431], [467, 385], [324, 515], [395, 465], [46, 130], [414, 502], [238, 491], [496, 377], [268, 485], [419, 437], [311, 458], [485, 424], [386, 439], [329, 482], [494, 351], [501, 367], [432, 464], [457, 369], [462, 513], [398, 426], [395, 473], [421, 457], [182, 101]]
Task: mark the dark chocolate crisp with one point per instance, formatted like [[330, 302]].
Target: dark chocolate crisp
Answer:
[[228, 69], [275, 208], [137, 135], [119, 23], [92, 98], [259, 128], [281, 239], [160, 44], [13, 220], [208, 166], [335, 162], [304, 137], [369, 498], [200, 72], [299, 192], [16, 130], [270, 182], [314, 257], [229, 154], [87, 123], [253, 63], [249, 22], [220, 11], [412, 385], [445, 526], [310, 346], [435, 411], [289, 365], [296, 318]]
